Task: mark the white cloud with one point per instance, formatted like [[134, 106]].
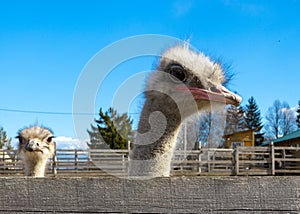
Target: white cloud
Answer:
[[63, 142]]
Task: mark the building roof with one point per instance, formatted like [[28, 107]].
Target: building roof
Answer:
[[287, 137], [248, 130]]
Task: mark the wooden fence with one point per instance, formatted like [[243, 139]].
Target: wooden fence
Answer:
[[239, 161], [184, 194]]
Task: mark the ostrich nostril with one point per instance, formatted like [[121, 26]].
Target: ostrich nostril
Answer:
[[214, 89], [37, 144]]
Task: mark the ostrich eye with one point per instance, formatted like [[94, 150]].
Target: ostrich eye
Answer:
[[177, 72], [49, 139], [20, 139]]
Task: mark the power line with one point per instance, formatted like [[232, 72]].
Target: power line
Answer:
[[50, 112], [44, 112]]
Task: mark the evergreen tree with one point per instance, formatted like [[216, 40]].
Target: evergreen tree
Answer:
[[8, 145], [253, 120], [112, 129], [5, 142], [234, 119], [298, 115], [96, 140]]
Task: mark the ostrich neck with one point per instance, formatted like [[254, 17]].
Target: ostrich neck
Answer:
[[152, 153], [35, 168]]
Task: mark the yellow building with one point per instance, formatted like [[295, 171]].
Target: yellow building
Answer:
[[242, 138]]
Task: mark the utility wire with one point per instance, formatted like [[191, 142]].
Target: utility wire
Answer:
[[44, 112], [49, 112]]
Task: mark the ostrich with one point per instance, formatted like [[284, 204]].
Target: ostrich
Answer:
[[185, 82], [36, 146]]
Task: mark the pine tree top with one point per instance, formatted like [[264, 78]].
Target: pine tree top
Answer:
[[112, 129]]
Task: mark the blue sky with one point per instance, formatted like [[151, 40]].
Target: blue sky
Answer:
[[45, 45]]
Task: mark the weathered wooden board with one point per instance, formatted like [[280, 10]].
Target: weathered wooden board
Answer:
[[167, 195]]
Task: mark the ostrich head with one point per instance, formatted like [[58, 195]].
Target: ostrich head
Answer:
[[184, 83], [190, 77], [36, 146]]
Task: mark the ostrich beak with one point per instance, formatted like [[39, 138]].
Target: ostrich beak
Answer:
[[216, 94], [231, 98], [32, 146]]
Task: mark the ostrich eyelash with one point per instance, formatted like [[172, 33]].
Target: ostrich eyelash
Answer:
[[177, 72]]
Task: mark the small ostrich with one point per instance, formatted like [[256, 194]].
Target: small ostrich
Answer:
[[36, 146], [184, 83]]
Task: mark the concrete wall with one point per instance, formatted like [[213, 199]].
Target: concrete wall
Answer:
[[176, 195]]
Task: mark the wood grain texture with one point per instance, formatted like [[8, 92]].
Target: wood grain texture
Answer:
[[164, 195]]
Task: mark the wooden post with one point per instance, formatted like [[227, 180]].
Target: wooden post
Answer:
[[283, 156], [3, 158], [128, 148], [54, 164], [237, 160], [214, 160], [199, 160], [54, 161], [272, 155], [89, 159], [208, 161], [14, 159], [128, 156], [76, 160]]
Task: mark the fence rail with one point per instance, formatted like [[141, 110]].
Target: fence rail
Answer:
[[239, 161]]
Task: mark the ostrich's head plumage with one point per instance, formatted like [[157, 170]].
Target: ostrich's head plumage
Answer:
[[184, 73], [36, 142]]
